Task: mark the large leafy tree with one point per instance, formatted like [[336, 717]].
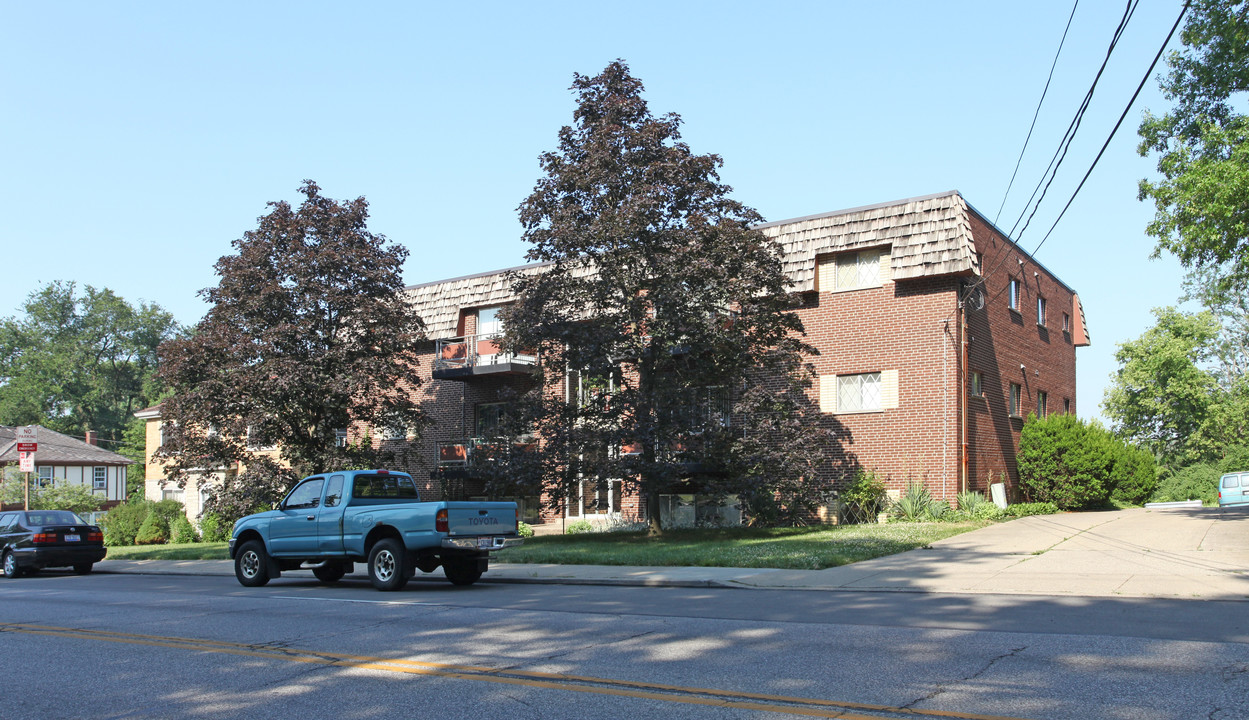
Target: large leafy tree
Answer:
[[659, 302], [309, 332], [77, 361], [1202, 144], [1167, 395]]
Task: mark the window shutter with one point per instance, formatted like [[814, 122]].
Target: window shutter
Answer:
[[886, 267], [888, 389], [828, 393], [825, 274]]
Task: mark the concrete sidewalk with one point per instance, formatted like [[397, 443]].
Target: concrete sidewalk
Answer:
[[1195, 553]]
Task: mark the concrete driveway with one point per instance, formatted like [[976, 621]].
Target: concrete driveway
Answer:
[[1181, 553]]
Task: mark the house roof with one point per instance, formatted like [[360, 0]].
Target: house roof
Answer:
[[928, 235], [58, 449]]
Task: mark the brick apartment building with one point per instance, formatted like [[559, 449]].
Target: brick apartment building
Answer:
[[937, 336]]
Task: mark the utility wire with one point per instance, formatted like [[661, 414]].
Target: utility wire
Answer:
[[1116, 128], [1036, 114], [1126, 110], [1065, 143]]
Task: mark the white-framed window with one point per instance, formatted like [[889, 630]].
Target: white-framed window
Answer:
[[162, 435], [45, 474], [255, 443], [1014, 294], [1066, 322], [172, 492], [340, 437], [858, 270], [1016, 399], [859, 392], [488, 321], [977, 384], [1040, 310], [853, 270], [99, 478], [1042, 403]]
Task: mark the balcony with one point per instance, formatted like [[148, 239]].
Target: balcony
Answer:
[[477, 455], [465, 357]]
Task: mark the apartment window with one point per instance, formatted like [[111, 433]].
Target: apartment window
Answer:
[[858, 393], [340, 437], [853, 270], [491, 419], [1016, 396], [255, 442], [977, 384], [1040, 310], [1014, 294], [1042, 403], [1066, 322], [1066, 406], [99, 478]]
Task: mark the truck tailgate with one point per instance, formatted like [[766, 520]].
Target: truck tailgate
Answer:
[[481, 518]]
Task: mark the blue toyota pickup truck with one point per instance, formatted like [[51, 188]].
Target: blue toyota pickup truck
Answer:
[[329, 521]]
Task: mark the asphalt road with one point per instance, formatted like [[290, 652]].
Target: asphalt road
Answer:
[[132, 646]]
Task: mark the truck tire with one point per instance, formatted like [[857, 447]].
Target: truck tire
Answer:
[[251, 564], [386, 565], [331, 571], [461, 572]]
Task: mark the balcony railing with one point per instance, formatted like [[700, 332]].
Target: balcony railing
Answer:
[[479, 452], [477, 354]]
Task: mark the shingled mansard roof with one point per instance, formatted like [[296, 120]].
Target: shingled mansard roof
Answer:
[[58, 449], [928, 236]]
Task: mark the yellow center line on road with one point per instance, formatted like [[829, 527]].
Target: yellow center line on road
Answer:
[[813, 707]]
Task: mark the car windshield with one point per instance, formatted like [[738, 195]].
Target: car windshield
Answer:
[[54, 517]]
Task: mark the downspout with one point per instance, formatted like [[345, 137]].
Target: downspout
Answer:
[[962, 394]]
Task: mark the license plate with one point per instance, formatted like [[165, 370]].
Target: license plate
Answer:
[[71, 538], [485, 542]]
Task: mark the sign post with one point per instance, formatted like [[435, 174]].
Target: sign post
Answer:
[[27, 445]]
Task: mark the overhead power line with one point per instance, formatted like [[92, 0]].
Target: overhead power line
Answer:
[[1036, 114]]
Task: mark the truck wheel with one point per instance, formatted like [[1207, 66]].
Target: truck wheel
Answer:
[[461, 572], [251, 564], [11, 570], [386, 569], [330, 572]]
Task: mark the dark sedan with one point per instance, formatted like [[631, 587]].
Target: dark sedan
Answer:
[[31, 540]]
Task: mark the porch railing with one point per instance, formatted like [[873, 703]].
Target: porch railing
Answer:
[[473, 350]]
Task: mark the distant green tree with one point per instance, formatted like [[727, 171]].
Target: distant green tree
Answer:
[[76, 362], [1163, 397]]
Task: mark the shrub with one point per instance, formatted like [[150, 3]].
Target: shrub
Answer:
[[579, 527], [864, 499], [153, 531], [182, 531], [975, 505], [1235, 459], [918, 505], [122, 523], [1135, 475], [1195, 482], [169, 511], [1031, 508], [1066, 461], [524, 529], [212, 529]]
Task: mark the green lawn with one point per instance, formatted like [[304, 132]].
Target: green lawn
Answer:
[[804, 548], [183, 551]]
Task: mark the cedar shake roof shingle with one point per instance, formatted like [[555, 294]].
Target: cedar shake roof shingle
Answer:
[[58, 449], [928, 236]]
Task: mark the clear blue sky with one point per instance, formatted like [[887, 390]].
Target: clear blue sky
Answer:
[[138, 139]]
